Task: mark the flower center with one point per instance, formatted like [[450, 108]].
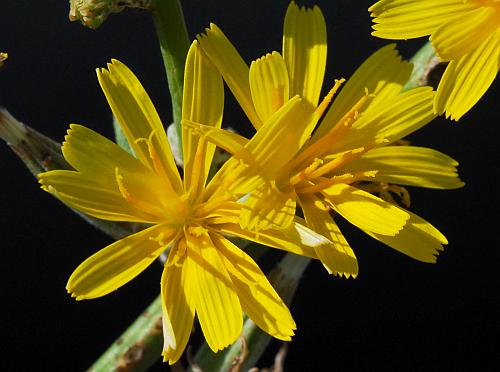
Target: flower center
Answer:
[[314, 168]]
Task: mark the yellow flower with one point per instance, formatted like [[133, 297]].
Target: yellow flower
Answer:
[[3, 57], [205, 273], [465, 33], [352, 152]]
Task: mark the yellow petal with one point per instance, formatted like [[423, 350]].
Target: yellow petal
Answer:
[[227, 140], [467, 79], [408, 165], [139, 120], [258, 298], [227, 212], [177, 302], [304, 51], [263, 156], [297, 238], [269, 84], [408, 19], [104, 163], [217, 305], [418, 239], [119, 263], [90, 153], [383, 74], [291, 125], [203, 102], [268, 207], [338, 257], [234, 70], [464, 33], [169, 343], [408, 113], [364, 210], [95, 199]]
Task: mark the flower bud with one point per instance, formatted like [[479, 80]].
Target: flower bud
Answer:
[[92, 13], [3, 57]]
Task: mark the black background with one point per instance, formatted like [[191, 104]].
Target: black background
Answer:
[[398, 314]]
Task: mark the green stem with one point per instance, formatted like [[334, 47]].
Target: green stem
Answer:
[[139, 347], [423, 62], [174, 44]]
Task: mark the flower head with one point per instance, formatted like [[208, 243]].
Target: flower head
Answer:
[[3, 58], [353, 152], [465, 33], [205, 274]]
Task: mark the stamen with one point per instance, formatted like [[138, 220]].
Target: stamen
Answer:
[[178, 250], [155, 158], [197, 231], [196, 129], [344, 158], [198, 167], [338, 161], [305, 173], [160, 238], [139, 204], [207, 208], [318, 148], [348, 156], [320, 110], [154, 155], [324, 183], [181, 247]]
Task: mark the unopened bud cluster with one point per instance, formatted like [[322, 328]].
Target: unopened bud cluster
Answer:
[[92, 13]]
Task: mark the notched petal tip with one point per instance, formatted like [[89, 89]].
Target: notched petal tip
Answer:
[[44, 185], [213, 28], [341, 274], [76, 296], [102, 73]]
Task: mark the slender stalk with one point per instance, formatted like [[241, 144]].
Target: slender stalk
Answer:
[[138, 348], [174, 45], [424, 61]]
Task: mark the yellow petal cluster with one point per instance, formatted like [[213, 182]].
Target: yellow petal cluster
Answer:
[[340, 156], [341, 153], [205, 274], [465, 33]]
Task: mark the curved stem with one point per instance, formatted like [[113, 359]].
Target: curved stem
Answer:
[[139, 347], [423, 62], [174, 44]]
